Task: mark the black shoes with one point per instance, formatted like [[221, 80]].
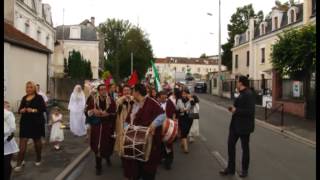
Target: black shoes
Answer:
[[108, 162], [98, 171], [226, 172], [243, 174]]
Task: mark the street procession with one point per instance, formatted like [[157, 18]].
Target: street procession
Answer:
[[166, 90]]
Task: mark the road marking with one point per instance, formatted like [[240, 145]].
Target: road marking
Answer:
[[204, 139], [223, 162]]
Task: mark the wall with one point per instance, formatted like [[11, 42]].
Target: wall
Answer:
[[241, 51], [89, 50], [63, 87], [33, 66], [9, 10]]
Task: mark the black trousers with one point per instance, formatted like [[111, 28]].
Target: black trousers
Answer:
[[168, 157], [7, 166], [185, 124], [144, 175], [232, 141]]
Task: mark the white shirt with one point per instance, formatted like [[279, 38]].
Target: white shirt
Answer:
[[45, 98], [10, 147]]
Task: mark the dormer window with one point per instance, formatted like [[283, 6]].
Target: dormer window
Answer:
[[292, 14], [75, 32], [275, 23], [236, 40]]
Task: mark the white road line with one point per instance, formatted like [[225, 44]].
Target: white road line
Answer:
[[204, 139], [223, 162]]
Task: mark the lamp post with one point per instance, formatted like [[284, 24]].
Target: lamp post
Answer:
[[219, 60]]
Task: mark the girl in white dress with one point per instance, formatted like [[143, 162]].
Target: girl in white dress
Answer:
[[56, 135], [76, 106]]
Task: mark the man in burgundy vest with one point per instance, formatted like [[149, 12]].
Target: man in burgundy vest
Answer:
[[145, 112], [102, 107]]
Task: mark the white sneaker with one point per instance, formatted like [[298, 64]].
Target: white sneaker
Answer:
[[191, 139], [37, 163], [19, 168]]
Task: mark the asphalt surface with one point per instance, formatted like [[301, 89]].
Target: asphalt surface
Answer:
[[273, 156]]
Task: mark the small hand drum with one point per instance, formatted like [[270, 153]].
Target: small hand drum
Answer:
[[136, 143], [169, 130]]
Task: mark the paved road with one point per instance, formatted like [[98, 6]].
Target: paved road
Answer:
[[273, 156]]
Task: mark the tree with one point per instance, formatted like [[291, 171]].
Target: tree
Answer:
[[239, 23], [78, 67], [130, 39], [294, 55], [203, 55]]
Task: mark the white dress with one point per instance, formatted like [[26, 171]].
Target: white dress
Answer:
[[77, 116], [10, 147], [194, 131], [56, 131]]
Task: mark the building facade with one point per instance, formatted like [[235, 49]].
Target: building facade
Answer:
[[252, 49], [24, 60], [83, 38], [198, 67]]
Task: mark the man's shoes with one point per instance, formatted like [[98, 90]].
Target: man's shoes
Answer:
[[98, 171], [226, 172], [109, 162], [243, 174]]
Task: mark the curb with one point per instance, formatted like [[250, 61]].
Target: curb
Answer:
[[73, 165], [277, 129]]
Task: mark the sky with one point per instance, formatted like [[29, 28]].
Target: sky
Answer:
[[175, 27]]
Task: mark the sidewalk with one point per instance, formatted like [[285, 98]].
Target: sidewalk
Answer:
[[302, 127], [54, 162]]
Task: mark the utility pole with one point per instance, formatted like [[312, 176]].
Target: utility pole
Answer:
[[219, 72]]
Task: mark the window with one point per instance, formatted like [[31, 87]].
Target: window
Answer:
[[47, 41], [236, 61], [262, 55], [275, 22], [292, 16], [198, 69], [26, 28], [75, 32], [248, 58]]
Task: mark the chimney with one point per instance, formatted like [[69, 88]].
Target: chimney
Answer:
[[92, 20]]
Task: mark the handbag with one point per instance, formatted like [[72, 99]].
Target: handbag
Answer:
[[193, 116]]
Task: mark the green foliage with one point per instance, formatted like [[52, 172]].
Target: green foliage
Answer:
[[122, 38], [65, 66], [203, 55], [239, 23], [78, 67], [294, 54]]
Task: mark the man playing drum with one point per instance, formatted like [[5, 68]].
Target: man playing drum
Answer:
[[100, 112], [145, 112]]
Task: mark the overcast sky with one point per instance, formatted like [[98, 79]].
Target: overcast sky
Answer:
[[175, 27]]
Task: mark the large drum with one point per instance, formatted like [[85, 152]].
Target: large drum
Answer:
[[169, 130], [136, 143]]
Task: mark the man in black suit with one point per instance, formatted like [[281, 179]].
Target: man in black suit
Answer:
[[241, 126]]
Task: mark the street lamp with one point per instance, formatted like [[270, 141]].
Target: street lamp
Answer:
[[219, 61]]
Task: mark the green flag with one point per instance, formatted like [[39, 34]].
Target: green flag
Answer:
[[156, 77]]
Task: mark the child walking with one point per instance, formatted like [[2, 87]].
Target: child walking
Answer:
[[56, 135]]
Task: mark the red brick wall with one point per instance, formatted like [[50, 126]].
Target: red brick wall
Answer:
[[292, 107]]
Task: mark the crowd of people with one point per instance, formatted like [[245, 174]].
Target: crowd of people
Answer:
[[112, 116]]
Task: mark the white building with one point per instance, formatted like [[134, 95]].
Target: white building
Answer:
[[82, 37], [24, 60], [198, 67]]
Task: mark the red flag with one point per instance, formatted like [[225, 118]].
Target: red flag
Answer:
[[133, 79]]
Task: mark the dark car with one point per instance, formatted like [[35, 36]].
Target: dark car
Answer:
[[200, 87]]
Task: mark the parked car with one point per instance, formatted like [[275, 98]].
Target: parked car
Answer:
[[200, 87]]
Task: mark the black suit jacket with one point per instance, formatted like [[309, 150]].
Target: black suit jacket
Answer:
[[242, 121]]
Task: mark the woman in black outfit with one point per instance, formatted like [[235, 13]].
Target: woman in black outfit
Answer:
[[32, 123], [184, 106]]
